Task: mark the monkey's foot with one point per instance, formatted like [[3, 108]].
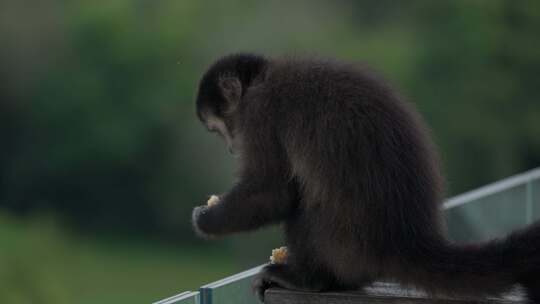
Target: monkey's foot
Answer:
[[281, 275], [265, 279]]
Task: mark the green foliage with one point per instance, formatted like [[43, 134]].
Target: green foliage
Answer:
[[476, 82], [40, 263]]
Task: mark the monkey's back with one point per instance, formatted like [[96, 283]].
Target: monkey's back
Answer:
[[365, 163]]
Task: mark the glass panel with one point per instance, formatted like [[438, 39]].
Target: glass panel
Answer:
[[488, 217], [234, 289], [183, 298]]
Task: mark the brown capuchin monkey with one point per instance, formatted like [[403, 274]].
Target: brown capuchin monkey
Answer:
[[331, 151]]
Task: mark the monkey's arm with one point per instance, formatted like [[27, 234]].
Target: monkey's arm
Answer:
[[249, 205]]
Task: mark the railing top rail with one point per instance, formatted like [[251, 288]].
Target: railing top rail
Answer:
[[233, 278], [492, 188], [179, 297]]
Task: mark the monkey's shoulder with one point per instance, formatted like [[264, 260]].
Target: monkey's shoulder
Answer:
[[336, 86]]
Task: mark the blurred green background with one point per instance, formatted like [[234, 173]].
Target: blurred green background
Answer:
[[102, 158]]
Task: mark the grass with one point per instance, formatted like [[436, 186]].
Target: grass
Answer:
[[41, 263]]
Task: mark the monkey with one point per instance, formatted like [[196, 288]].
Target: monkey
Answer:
[[337, 156]]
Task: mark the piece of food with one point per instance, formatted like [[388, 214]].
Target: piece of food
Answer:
[[214, 199], [279, 255]]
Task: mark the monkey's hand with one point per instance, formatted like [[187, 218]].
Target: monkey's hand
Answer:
[[199, 221]]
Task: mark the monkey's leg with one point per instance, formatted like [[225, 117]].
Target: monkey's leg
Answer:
[[249, 205]]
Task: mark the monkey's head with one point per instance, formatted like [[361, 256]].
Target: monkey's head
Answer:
[[221, 92]]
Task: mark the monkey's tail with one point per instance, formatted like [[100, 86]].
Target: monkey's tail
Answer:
[[483, 269]]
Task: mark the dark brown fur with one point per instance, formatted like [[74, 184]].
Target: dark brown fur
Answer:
[[349, 167]]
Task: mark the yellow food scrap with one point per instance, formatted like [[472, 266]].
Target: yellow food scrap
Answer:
[[214, 199], [279, 256]]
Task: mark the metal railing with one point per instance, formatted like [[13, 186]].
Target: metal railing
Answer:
[[495, 209], [489, 211]]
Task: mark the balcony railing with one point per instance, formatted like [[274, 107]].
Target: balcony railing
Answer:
[[477, 215]]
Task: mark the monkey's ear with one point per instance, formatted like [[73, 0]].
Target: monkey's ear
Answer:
[[231, 88]]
